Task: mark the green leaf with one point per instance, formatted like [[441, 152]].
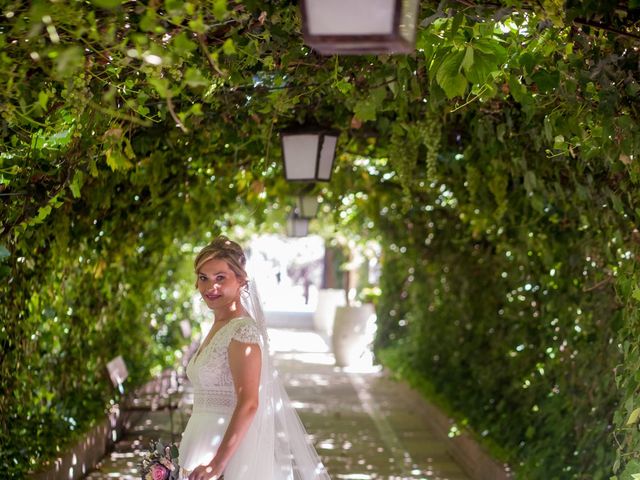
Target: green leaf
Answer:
[[633, 417], [344, 86], [161, 85], [174, 451], [197, 25], [631, 470], [76, 183], [220, 9], [518, 91], [107, 3], [228, 47], [483, 66], [174, 6], [194, 78], [558, 142], [546, 81], [548, 128], [530, 181], [43, 213], [366, 109], [183, 45], [467, 61], [148, 22], [528, 62], [117, 160], [449, 77], [4, 253], [458, 20], [43, 98], [69, 61]]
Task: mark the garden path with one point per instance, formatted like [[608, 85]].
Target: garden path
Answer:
[[363, 425]]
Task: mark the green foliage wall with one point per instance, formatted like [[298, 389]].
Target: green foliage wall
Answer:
[[90, 283], [499, 163], [524, 358]]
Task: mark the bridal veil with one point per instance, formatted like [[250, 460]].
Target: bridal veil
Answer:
[[276, 441]]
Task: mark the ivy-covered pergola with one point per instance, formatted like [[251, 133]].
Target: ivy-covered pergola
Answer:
[[497, 165]]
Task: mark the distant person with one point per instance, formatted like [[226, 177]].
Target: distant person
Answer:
[[243, 426]]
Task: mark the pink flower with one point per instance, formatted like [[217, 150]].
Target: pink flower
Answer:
[[159, 472]]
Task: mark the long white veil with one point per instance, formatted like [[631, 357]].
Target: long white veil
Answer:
[[276, 427]]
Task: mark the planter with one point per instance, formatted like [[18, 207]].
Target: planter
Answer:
[[328, 300], [81, 458], [352, 333]]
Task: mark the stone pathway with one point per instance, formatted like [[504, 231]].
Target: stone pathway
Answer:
[[360, 425], [363, 428]]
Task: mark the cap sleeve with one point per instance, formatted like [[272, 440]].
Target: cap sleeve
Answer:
[[247, 332]]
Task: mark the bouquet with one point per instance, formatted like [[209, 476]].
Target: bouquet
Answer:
[[160, 463]]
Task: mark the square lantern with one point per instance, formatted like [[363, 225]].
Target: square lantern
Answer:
[[360, 27], [308, 154], [307, 206], [297, 226]]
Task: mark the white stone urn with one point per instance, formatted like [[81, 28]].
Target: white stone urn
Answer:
[[328, 300], [352, 333]]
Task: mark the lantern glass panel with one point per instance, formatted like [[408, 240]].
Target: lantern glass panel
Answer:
[[300, 155], [327, 154], [308, 206], [360, 26], [350, 17], [297, 227]]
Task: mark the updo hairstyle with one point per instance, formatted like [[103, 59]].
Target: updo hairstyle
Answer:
[[222, 248]]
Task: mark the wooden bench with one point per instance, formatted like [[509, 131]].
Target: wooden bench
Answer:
[[156, 395]]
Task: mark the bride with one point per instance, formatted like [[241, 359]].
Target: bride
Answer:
[[243, 426]]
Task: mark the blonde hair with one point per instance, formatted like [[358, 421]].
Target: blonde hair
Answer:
[[222, 248]]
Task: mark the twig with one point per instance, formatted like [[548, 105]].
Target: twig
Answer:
[[212, 64], [602, 26], [175, 117], [266, 155], [120, 116], [482, 90], [598, 285]]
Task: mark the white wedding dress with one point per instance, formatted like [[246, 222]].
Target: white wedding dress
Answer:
[[215, 398], [275, 446]]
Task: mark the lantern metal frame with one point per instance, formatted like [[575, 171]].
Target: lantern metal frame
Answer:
[[321, 133], [362, 44]]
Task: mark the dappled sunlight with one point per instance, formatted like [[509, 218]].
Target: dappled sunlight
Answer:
[[313, 358], [282, 340], [356, 433]]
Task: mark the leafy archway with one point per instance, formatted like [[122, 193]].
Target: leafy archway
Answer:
[[498, 164]]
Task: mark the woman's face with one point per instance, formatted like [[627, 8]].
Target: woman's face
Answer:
[[219, 285]]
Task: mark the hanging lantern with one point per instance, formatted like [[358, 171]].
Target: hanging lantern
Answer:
[[308, 154], [297, 226], [307, 206], [360, 27]]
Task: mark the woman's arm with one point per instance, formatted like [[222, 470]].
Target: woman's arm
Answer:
[[245, 362]]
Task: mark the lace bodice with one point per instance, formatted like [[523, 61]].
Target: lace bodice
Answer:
[[209, 371]]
